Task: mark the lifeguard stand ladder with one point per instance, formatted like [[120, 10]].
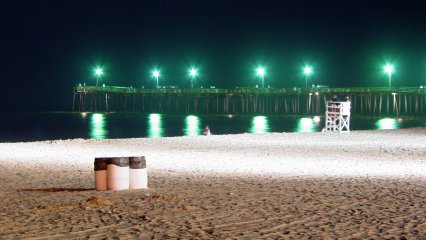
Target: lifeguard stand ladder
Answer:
[[337, 116]]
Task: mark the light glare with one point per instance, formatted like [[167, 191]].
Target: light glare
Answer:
[[260, 71], [156, 73], [193, 72], [98, 71], [317, 119], [307, 70], [389, 69]]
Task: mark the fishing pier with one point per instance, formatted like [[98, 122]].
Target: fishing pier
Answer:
[[364, 100]]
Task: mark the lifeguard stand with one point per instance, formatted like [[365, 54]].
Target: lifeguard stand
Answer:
[[337, 116]]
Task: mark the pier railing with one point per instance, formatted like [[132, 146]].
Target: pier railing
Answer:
[[245, 90]]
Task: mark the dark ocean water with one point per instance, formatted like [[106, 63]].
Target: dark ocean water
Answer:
[[16, 127]]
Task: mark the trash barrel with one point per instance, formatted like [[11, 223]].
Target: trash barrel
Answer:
[[118, 173], [101, 174], [138, 173]]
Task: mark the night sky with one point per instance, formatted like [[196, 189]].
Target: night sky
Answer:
[[50, 46]]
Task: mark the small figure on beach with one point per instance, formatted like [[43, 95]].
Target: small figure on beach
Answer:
[[348, 99], [207, 131]]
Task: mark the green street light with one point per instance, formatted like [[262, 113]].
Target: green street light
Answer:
[[389, 70], [156, 74], [98, 73], [261, 72], [307, 71], [193, 73]]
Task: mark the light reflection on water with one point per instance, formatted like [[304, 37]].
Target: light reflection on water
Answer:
[[192, 126], [259, 124], [387, 123], [155, 125], [98, 128], [42, 126], [163, 125], [305, 125]]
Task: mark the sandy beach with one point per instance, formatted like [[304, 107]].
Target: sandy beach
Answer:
[[360, 185]]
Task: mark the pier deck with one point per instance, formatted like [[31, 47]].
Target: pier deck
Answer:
[[244, 100]]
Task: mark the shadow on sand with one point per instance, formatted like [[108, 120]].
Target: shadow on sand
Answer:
[[56, 190]]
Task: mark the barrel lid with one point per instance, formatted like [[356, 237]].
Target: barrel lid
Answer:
[[100, 164], [137, 162], [119, 161]]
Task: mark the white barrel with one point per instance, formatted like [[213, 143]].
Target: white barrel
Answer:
[[100, 174], [138, 173], [118, 173]]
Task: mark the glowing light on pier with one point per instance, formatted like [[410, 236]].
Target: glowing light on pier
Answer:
[[98, 72], [260, 71], [155, 126], [192, 126], [98, 126], [259, 124], [389, 69], [307, 71], [193, 72], [156, 75]]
